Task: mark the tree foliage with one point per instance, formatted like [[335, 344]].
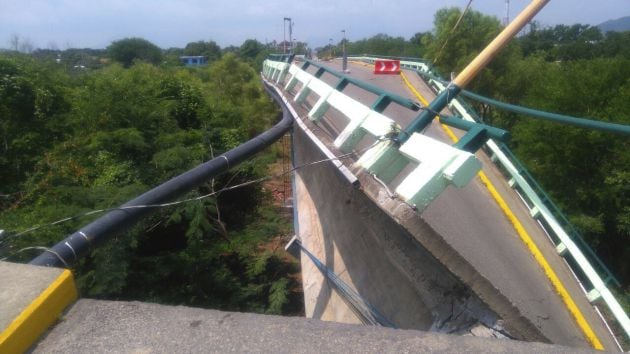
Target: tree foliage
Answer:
[[128, 50], [74, 143], [380, 43], [209, 49]]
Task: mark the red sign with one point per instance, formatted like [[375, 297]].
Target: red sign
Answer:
[[382, 66]]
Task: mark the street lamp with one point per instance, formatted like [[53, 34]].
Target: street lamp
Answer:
[[284, 43]]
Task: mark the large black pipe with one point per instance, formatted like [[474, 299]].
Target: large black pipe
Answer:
[[80, 243]]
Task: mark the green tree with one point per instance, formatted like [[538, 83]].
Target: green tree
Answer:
[[209, 49], [250, 49], [381, 44], [563, 42], [101, 138], [451, 47], [616, 44], [32, 105], [128, 50]]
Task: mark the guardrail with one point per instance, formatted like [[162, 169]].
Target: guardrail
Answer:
[[440, 163], [540, 206]]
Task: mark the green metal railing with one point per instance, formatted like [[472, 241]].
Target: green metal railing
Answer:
[[283, 58], [368, 121], [384, 97], [554, 117]]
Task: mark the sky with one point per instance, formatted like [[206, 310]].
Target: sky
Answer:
[[62, 24]]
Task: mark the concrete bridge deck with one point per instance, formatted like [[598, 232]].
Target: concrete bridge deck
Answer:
[[93, 326], [34, 297], [469, 221]]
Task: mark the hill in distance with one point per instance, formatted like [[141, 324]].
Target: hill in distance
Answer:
[[618, 25]]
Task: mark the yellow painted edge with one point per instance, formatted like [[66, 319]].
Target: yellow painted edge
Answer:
[[528, 241], [413, 89], [29, 325], [359, 63]]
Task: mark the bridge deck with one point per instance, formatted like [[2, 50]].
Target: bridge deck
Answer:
[[472, 223]]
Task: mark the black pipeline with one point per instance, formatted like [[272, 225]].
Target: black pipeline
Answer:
[[80, 243]]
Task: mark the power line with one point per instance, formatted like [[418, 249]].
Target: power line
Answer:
[[452, 31], [194, 199], [366, 312]]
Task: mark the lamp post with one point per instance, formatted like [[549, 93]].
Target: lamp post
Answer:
[[344, 62], [284, 43]]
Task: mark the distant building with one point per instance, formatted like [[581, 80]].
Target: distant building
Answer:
[[193, 60]]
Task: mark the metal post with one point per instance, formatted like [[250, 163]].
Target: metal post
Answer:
[[344, 65], [285, 32], [291, 36]]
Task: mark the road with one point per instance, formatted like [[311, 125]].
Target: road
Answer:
[[472, 223]]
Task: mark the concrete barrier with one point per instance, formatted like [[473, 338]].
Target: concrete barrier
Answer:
[[31, 299]]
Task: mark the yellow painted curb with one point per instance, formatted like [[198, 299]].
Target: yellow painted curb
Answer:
[[39, 315], [527, 240], [359, 63]]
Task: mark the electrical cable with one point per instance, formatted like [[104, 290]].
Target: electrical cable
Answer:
[[46, 249], [193, 199], [437, 56], [367, 313]]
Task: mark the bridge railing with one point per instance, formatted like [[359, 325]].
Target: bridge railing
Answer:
[[567, 241], [439, 164]]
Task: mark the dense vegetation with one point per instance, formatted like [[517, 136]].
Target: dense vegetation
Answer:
[[79, 139]]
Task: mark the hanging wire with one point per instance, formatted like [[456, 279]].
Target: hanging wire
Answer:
[[193, 199], [461, 16], [366, 312]]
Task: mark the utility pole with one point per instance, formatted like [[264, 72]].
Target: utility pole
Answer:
[[507, 13], [344, 63], [284, 42]]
